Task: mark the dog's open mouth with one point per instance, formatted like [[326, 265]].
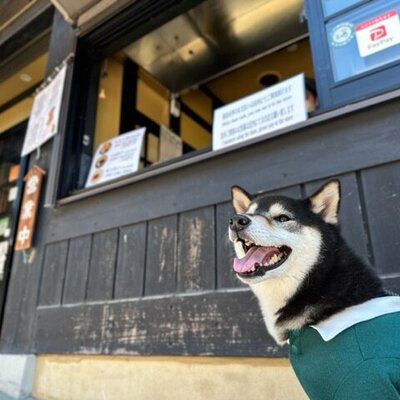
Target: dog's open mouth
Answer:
[[257, 260]]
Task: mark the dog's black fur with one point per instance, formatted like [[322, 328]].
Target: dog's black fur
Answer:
[[340, 279]]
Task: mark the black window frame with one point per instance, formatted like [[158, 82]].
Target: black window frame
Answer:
[[124, 28], [143, 17], [333, 94]]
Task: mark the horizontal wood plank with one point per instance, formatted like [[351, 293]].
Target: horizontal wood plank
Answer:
[[308, 154], [207, 324]]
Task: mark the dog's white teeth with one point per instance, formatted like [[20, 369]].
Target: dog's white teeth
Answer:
[[239, 249], [248, 243], [274, 259]]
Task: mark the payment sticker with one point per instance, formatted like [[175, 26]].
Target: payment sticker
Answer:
[[378, 33]]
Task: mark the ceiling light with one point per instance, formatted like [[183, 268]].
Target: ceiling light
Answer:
[[25, 77]]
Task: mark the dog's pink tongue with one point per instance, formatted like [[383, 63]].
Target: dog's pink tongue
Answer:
[[260, 255]]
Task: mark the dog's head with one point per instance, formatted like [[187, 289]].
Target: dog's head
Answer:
[[277, 236]]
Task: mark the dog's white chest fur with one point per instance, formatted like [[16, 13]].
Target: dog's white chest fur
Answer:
[[274, 293], [272, 296]]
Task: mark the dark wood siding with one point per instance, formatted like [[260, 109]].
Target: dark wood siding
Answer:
[[155, 278], [102, 266], [129, 280], [51, 287], [77, 269], [161, 256]]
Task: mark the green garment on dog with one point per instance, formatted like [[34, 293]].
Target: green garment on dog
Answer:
[[361, 362]]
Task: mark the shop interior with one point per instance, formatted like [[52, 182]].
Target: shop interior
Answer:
[[216, 53]]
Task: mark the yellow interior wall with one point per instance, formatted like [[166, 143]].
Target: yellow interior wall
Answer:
[[15, 114], [244, 81], [194, 134], [199, 103], [152, 103], [13, 86], [164, 378], [108, 109]]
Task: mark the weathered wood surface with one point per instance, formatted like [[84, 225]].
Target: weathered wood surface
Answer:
[[350, 143], [161, 256], [129, 279], [102, 266], [214, 323], [143, 297], [382, 205], [77, 269], [196, 250], [51, 286]]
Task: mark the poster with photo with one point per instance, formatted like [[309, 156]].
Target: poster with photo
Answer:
[[45, 114], [116, 157]]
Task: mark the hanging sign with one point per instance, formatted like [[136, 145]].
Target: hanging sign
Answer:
[[45, 114], [29, 207], [116, 157], [378, 33], [263, 112]]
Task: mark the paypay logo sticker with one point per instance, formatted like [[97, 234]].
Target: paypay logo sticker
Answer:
[[378, 33]]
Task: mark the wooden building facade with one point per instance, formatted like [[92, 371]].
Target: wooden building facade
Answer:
[[142, 265]]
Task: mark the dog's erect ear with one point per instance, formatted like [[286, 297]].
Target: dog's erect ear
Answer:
[[240, 199], [325, 202]]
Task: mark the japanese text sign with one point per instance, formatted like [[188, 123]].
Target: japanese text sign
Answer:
[[263, 112], [44, 117], [29, 208]]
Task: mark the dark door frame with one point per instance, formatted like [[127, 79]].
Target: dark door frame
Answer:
[[14, 215]]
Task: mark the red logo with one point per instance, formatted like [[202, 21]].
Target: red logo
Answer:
[[377, 33]]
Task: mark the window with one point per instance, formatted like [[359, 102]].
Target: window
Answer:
[[174, 76], [356, 46]]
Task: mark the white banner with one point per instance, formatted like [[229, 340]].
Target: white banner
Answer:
[[263, 112], [116, 157], [45, 114]]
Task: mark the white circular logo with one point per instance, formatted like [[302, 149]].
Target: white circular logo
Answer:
[[342, 34]]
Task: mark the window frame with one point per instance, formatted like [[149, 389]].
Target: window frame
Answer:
[[333, 94], [126, 27]]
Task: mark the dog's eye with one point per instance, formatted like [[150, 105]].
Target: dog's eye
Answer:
[[282, 218]]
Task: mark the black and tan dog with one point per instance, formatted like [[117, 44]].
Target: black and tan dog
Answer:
[[312, 289]]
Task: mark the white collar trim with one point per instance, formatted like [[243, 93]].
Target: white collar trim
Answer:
[[337, 323]]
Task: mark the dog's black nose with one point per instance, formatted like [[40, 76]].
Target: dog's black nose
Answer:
[[239, 222]]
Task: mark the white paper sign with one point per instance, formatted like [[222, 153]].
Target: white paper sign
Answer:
[[263, 112], [171, 145], [116, 157], [45, 114], [378, 33]]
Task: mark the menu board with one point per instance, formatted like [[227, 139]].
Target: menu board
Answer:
[[116, 157], [263, 112], [45, 114]]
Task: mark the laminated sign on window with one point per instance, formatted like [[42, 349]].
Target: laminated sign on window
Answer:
[[378, 33]]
